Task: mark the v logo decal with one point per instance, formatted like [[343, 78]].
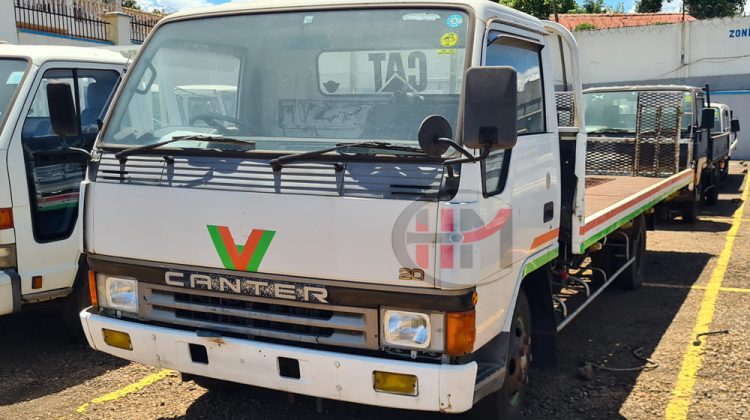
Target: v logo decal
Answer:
[[240, 257]]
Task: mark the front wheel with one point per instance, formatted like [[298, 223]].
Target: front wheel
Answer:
[[506, 403]]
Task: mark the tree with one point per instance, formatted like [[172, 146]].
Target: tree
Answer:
[[594, 6], [133, 4], [648, 6], [542, 9], [707, 9]]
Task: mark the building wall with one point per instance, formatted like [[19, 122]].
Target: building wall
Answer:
[[714, 51]]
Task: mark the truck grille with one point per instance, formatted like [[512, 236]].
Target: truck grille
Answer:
[[256, 317]]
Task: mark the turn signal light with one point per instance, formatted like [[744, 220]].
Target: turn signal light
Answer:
[[6, 218], [395, 383], [117, 339], [92, 290], [460, 332]]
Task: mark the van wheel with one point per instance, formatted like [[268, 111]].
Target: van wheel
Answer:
[[506, 403], [632, 277]]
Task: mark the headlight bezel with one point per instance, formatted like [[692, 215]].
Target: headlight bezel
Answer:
[[436, 335], [105, 284]]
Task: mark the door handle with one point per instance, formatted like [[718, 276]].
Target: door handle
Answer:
[[549, 211]]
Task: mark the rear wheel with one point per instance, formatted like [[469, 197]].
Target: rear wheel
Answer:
[[712, 193], [507, 402], [632, 277]]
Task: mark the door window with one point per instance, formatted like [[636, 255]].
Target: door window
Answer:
[[54, 171], [526, 59]]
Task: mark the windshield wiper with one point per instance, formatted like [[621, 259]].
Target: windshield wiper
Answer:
[[122, 154], [611, 130], [278, 162]]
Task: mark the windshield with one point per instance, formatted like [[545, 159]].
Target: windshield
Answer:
[[610, 111], [11, 74], [617, 112], [295, 81]]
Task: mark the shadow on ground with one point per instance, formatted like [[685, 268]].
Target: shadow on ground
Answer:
[[710, 216], [39, 357]]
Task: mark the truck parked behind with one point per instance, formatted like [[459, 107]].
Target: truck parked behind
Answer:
[[41, 171], [389, 213]]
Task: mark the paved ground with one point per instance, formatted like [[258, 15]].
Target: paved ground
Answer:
[[43, 375]]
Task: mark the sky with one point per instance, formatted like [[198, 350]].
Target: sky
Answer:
[[177, 5]]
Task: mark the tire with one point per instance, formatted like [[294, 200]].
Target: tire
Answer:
[[74, 303], [712, 194], [690, 211], [632, 277], [507, 402]]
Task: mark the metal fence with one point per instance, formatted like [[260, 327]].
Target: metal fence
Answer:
[[141, 24], [78, 19]]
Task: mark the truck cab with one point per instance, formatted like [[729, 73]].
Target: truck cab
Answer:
[[41, 171], [382, 208]]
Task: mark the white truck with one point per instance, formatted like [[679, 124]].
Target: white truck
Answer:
[[727, 128], [41, 171], [388, 215]]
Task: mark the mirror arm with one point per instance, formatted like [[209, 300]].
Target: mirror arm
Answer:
[[469, 157]]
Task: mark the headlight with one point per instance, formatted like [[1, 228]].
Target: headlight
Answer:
[[407, 329], [118, 293]]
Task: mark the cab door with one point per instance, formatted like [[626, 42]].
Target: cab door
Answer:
[[526, 175], [46, 172]]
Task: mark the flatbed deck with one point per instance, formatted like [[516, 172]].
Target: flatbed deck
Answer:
[[611, 201], [605, 191]]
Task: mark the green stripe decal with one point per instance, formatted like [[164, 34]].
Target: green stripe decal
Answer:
[[221, 249], [260, 251], [539, 262]]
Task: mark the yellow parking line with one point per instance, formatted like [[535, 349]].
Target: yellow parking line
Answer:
[[685, 286], [681, 396], [134, 387]]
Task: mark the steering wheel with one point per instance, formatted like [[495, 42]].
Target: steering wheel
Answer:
[[213, 121]]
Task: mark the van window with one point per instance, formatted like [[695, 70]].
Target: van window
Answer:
[[54, 172]]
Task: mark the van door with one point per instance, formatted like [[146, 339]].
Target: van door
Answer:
[[46, 172]]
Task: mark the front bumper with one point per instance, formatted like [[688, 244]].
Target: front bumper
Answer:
[[338, 376]]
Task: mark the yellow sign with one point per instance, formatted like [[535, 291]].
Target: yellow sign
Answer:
[[449, 39]]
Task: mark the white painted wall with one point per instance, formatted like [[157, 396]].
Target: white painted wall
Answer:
[[7, 22], [693, 53]]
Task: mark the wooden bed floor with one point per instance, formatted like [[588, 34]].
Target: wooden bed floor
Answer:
[[604, 191]]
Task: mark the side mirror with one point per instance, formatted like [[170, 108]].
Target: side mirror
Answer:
[[62, 109], [490, 108], [707, 118], [735, 126]]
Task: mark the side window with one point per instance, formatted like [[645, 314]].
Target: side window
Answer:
[[525, 57], [54, 172], [687, 113], [494, 172]]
